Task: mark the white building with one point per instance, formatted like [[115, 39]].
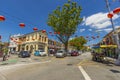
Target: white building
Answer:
[[13, 42]]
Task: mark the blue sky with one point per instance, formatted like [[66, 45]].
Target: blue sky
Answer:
[[34, 13]]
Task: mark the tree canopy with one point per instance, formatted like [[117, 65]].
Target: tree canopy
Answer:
[[65, 20], [78, 42]]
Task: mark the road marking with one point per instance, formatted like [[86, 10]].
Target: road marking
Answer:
[[84, 73], [16, 65]]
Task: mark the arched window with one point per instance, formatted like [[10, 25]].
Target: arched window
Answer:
[[26, 47]]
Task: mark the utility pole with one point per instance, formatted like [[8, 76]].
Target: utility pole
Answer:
[[111, 20], [114, 34]]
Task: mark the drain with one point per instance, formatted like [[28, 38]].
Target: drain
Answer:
[[23, 61], [36, 59], [115, 71], [69, 64]]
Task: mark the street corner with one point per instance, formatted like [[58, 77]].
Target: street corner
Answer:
[[8, 62], [86, 62]]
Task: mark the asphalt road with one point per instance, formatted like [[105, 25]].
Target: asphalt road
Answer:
[[69, 68]]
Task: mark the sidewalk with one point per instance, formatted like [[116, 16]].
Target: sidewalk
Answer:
[[11, 60]]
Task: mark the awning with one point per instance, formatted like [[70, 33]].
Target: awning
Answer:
[[96, 47], [108, 46]]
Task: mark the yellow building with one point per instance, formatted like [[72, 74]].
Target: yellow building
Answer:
[[33, 41]]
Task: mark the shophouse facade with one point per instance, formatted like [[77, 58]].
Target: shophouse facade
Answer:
[[37, 40], [109, 43], [54, 45]]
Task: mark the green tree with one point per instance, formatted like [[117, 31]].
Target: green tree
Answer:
[[65, 21], [78, 42]]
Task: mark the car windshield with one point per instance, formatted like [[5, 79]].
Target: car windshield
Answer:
[[25, 52], [42, 51], [60, 51]]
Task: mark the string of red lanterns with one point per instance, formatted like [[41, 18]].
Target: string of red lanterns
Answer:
[[115, 11]]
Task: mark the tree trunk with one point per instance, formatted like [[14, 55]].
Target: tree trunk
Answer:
[[66, 46]]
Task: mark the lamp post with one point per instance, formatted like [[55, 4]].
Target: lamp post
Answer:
[[114, 34]]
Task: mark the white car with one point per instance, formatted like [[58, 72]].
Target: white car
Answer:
[[60, 53], [40, 53]]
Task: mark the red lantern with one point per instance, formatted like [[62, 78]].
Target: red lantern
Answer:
[[54, 32], [116, 11], [58, 32], [2, 18], [35, 29], [110, 15], [43, 31], [87, 37], [97, 36], [93, 37], [22, 25], [50, 32]]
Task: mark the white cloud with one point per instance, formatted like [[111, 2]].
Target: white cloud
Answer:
[[108, 30], [99, 20], [99, 30], [89, 29], [81, 30], [117, 26]]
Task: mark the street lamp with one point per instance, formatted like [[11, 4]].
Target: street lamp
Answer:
[[114, 34]]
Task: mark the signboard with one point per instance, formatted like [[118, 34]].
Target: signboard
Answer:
[[108, 46]]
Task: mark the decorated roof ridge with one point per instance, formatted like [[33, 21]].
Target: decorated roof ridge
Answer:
[[32, 33]]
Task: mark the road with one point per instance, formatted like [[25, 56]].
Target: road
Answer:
[[69, 68]]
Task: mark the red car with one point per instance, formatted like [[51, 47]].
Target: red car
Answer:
[[74, 53]]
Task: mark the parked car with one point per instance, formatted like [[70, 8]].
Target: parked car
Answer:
[[14, 52], [24, 54], [80, 52], [60, 53], [51, 52], [74, 53], [40, 53]]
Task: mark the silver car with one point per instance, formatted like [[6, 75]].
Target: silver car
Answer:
[[60, 53]]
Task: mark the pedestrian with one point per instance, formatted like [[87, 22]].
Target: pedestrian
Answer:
[[5, 54]]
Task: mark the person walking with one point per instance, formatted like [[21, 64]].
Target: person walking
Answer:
[[5, 54]]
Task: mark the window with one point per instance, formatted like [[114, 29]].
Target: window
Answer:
[[40, 37], [45, 39]]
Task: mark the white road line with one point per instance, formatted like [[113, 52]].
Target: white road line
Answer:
[[84, 73], [16, 65]]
